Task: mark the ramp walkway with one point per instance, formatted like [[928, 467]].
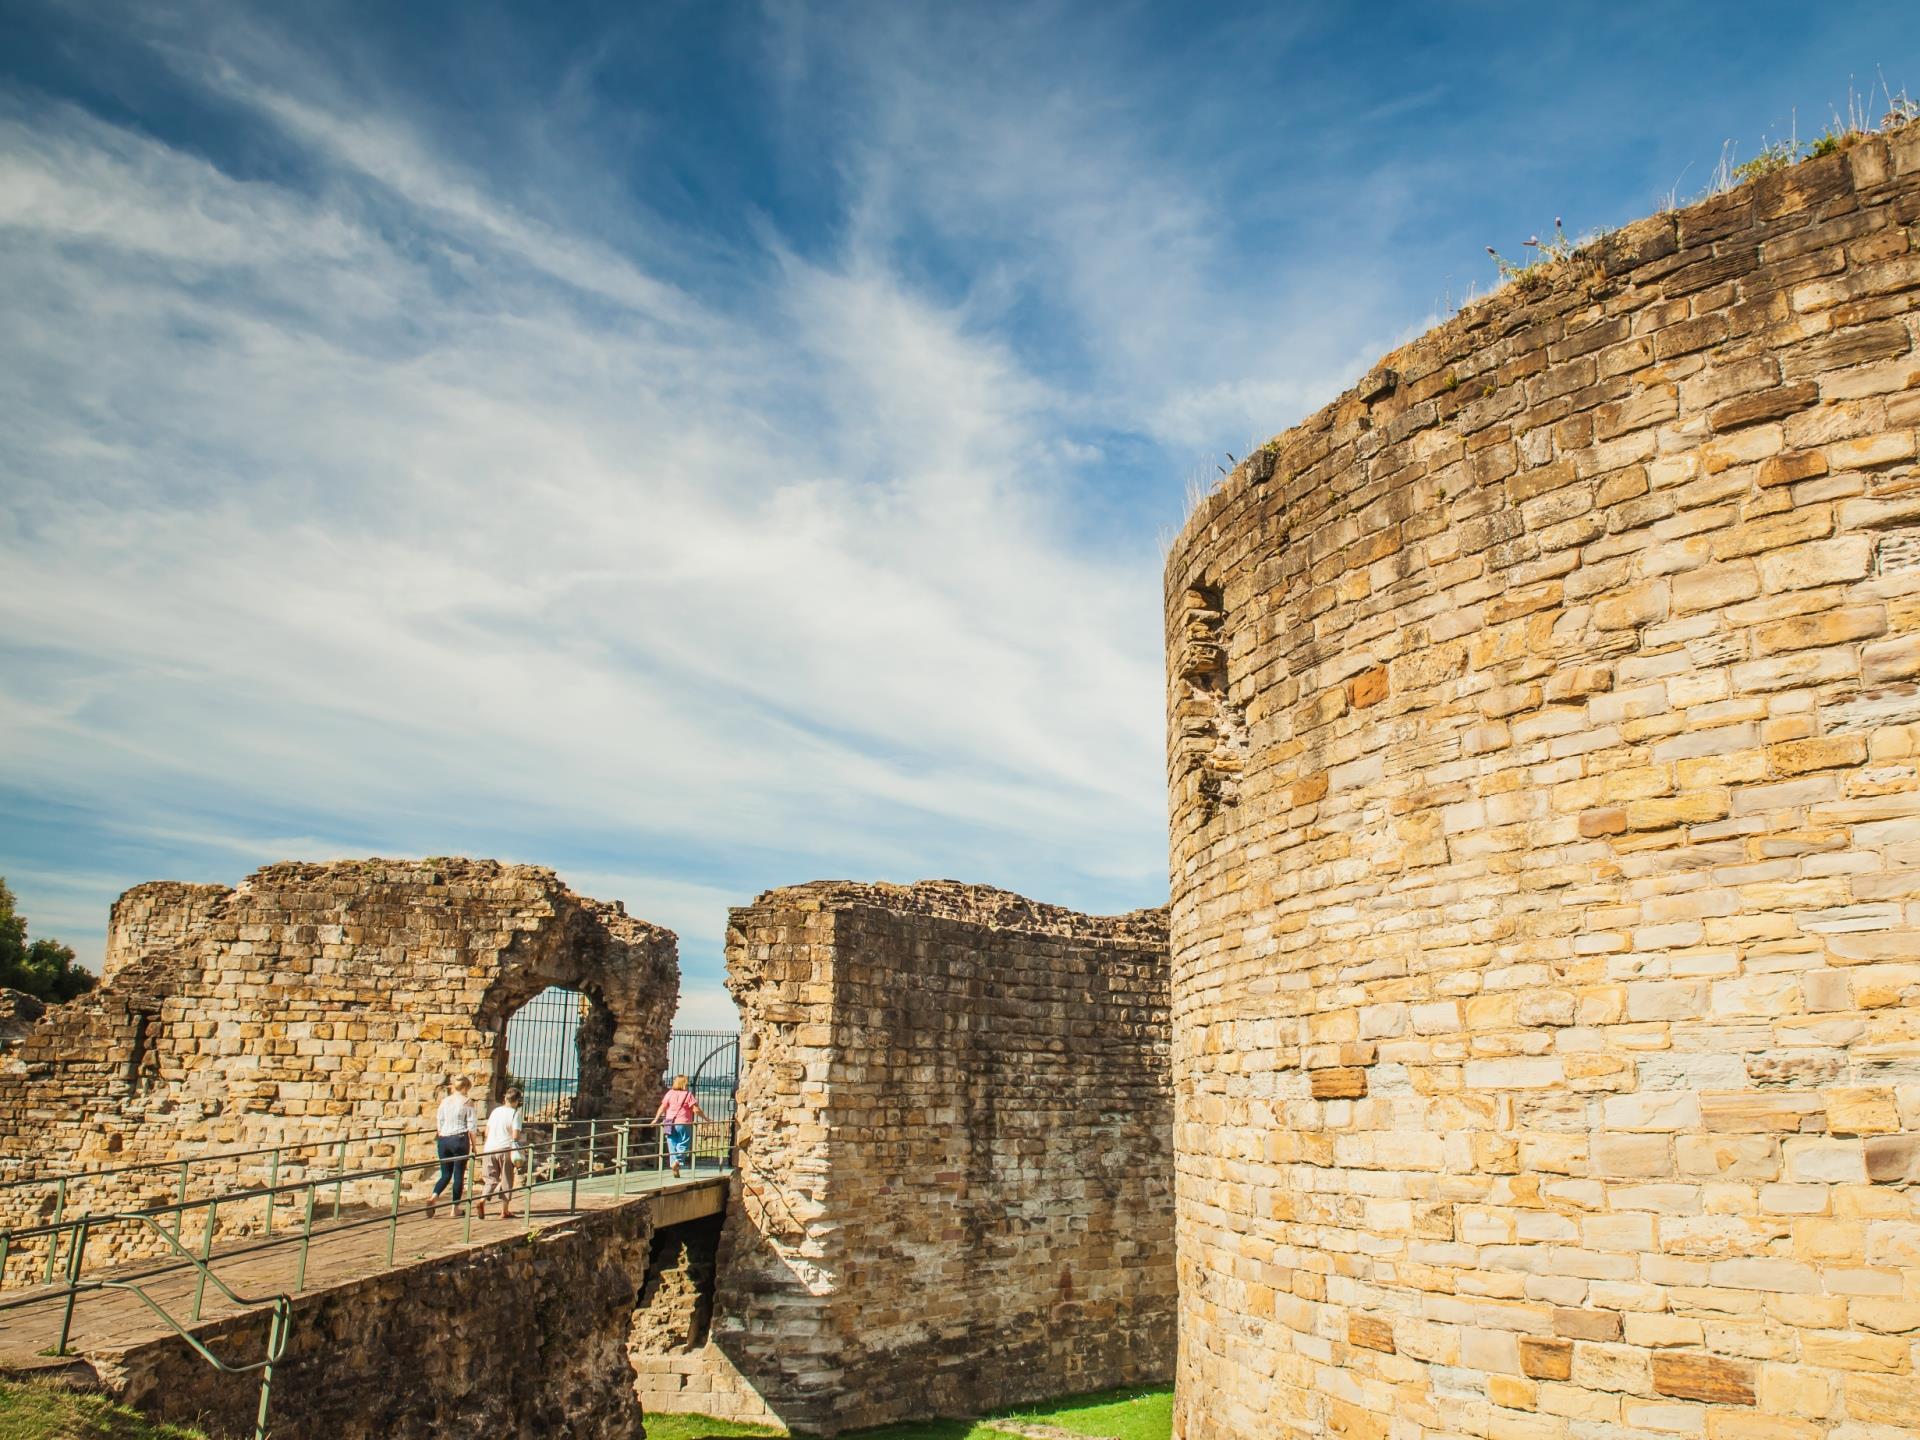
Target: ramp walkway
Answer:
[[59, 1306]]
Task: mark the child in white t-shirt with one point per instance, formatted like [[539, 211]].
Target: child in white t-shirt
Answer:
[[502, 1140]]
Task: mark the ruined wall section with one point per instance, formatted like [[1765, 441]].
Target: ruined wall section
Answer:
[[1547, 996], [954, 1157], [312, 1003], [156, 917]]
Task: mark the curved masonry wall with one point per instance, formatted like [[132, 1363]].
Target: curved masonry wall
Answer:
[[1546, 857]]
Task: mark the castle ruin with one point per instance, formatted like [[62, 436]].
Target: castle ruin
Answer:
[[310, 1004], [953, 1186], [1543, 727]]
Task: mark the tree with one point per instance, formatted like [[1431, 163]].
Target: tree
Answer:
[[44, 969]]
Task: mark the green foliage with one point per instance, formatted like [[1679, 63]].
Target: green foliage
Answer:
[[44, 969], [1777, 156], [46, 1412], [1530, 271]]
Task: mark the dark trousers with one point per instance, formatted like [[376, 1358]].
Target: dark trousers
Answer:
[[453, 1164]]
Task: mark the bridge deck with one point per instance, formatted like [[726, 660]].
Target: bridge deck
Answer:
[[349, 1249]]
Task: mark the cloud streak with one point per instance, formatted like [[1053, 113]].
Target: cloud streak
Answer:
[[456, 447]]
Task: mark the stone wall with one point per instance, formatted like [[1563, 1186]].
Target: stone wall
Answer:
[[522, 1339], [954, 1159], [1546, 857], [311, 1003]]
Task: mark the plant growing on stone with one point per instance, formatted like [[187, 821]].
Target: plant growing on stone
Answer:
[[1558, 246], [1777, 156]]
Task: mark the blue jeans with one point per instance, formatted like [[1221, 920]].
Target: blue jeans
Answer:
[[453, 1151], [680, 1144]]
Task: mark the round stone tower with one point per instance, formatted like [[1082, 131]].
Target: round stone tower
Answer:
[[1546, 857]]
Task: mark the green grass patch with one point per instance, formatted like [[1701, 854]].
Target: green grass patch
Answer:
[[1123, 1414], [30, 1411], [1134, 1414]]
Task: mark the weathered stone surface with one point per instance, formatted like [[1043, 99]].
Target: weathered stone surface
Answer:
[[311, 1003], [18, 1012], [1630, 840], [525, 1340], [955, 1156], [1704, 1377]]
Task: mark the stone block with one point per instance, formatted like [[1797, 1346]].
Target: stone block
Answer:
[[1707, 1378]]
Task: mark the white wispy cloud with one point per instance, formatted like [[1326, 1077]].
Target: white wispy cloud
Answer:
[[370, 492]]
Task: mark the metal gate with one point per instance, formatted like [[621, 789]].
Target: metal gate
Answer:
[[710, 1059], [543, 1051], [543, 1058]]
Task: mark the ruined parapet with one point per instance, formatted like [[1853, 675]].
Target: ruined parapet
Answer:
[[954, 1159], [1547, 1053], [315, 1002], [18, 1012], [156, 917]]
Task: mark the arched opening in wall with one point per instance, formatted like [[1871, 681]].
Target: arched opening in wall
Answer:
[[555, 1048]]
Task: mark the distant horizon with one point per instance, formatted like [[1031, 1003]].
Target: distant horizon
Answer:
[[706, 449]]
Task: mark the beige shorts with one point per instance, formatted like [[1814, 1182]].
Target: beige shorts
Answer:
[[496, 1174]]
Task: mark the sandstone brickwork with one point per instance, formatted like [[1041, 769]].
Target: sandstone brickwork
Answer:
[[954, 1159], [311, 1003], [1544, 717]]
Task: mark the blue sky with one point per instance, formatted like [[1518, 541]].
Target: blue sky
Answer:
[[703, 446]]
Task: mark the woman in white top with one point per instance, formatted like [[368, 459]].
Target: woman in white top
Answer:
[[456, 1127], [496, 1161]]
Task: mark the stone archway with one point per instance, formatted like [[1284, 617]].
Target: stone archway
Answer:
[[359, 986], [629, 986]]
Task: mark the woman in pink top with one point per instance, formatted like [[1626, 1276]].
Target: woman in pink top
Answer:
[[679, 1110]]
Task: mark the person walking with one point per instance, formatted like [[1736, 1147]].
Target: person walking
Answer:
[[456, 1127], [496, 1158], [679, 1110]]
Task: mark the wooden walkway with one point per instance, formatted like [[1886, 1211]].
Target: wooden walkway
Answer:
[[343, 1250]]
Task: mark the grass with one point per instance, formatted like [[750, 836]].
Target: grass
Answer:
[[30, 1411], [1120, 1414]]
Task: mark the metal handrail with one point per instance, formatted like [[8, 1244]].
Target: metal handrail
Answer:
[[214, 1158], [279, 1323], [608, 1146], [616, 1145]]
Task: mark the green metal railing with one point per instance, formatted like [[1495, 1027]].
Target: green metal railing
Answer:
[[92, 1190], [581, 1152]]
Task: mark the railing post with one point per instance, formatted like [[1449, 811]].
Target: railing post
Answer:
[[620, 1159], [76, 1257], [529, 1161], [6, 1244], [393, 1220], [273, 1186], [593, 1145], [339, 1170], [180, 1216], [276, 1337], [306, 1240], [59, 1219], [206, 1255], [659, 1146]]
